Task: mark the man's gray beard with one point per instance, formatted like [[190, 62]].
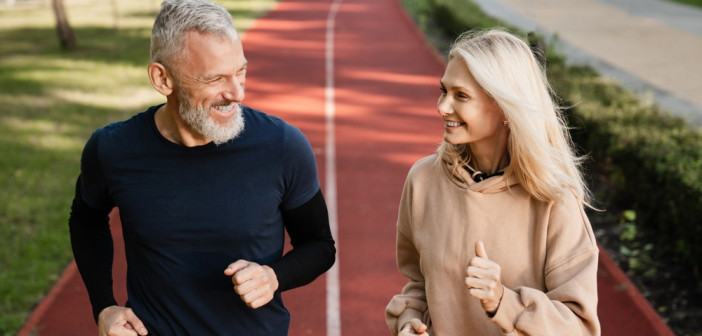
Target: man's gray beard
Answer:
[[198, 118]]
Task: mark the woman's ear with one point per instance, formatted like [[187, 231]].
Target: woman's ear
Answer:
[[160, 79]]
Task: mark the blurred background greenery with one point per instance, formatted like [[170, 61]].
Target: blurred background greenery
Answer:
[[697, 3], [51, 100]]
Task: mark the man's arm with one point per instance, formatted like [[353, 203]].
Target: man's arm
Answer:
[[313, 251], [91, 241]]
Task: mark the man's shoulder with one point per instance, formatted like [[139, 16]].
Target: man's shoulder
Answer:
[[120, 136], [261, 124], [125, 128], [257, 118]]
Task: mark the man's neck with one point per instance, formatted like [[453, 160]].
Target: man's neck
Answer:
[[174, 129]]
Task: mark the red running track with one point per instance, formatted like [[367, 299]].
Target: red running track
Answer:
[[385, 87]]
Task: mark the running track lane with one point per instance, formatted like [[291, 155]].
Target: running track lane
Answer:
[[385, 85], [379, 131]]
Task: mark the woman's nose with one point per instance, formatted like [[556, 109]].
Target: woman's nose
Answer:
[[444, 107]]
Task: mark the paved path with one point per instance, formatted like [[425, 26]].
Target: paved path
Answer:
[[653, 47], [362, 84]]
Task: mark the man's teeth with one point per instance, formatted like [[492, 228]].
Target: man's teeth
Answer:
[[453, 123], [225, 108]]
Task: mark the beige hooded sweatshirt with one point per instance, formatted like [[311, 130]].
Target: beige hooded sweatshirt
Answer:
[[547, 253]]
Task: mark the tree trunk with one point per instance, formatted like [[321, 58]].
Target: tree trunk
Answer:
[[66, 38]]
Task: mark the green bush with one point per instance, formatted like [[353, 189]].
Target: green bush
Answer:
[[652, 159]]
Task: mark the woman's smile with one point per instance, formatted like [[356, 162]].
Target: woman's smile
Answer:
[[453, 124]]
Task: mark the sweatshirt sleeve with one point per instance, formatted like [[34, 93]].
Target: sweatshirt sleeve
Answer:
[[569, 304], [411, 302]]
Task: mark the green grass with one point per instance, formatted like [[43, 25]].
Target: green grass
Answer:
[[51, 101]]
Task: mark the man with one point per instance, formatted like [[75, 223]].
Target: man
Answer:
[[206, 188]]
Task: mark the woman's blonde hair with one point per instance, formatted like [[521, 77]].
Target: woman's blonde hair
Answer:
[[540, 148]]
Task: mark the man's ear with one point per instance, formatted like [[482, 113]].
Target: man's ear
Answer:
[[160, 78]]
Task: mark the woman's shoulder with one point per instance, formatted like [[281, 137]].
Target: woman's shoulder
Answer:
[[569, 224], [424, 165]]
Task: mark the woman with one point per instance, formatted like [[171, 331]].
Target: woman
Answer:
[[491, 230]]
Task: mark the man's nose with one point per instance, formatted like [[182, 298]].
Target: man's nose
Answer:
[[235, 90]]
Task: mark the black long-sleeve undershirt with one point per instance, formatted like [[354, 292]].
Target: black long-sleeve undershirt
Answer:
[[313, 250], [91, 241]]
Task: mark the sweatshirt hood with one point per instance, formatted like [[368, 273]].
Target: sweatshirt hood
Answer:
[[490, 185]]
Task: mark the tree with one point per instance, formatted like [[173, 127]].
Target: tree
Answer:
[[67, 39]]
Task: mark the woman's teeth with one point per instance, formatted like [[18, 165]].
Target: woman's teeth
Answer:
[[454, 123]]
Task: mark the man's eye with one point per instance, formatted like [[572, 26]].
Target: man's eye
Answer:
[[213, 80]]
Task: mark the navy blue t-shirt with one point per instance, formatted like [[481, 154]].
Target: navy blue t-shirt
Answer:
[[188, 212]]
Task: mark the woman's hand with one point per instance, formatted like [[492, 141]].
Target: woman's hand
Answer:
[[483, 280], [414, 327]]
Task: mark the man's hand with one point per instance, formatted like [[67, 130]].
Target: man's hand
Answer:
[[483, 280], [255, 284], [414, 327], [120, 321]]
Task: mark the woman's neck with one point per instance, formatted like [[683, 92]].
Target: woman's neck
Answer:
[[489, 161]]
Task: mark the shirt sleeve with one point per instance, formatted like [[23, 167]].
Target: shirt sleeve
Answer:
[[304, 214], [569, 304], [411, 302], [93, 191], [91, 239], [300, 178], [313, 251]]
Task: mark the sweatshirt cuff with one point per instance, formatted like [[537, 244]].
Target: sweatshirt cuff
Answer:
[[407, 316], [508, 312], [401, 310]]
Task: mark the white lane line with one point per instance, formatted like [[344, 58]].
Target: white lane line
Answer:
[[333, 306]]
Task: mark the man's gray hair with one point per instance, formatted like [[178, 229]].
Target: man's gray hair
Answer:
[[177, 17]]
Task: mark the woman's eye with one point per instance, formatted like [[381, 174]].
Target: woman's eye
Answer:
[[443, 90]]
